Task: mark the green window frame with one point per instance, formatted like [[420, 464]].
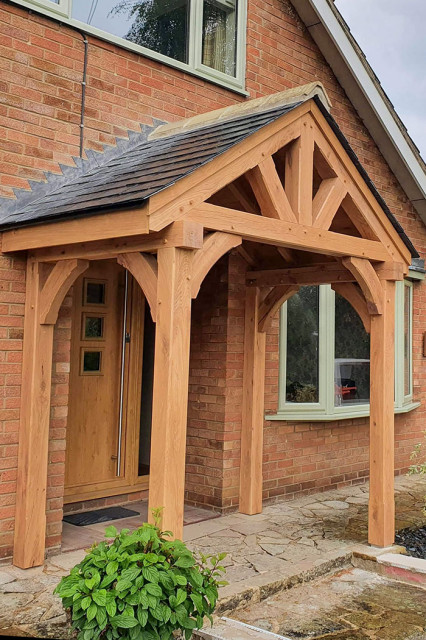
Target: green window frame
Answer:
[[232, 76], [325, 409]]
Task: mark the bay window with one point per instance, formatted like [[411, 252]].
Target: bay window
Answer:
[[205, 37], [325, 356]]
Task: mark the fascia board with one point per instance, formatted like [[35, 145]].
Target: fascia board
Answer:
[[357, 80]]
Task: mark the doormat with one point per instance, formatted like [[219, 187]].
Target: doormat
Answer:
[[99, 515]]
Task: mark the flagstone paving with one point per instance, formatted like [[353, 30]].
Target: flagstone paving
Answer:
[[352, 605], [291, 541]]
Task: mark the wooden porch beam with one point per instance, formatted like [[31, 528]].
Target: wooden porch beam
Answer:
[[215, 246], [269, 191], [381, 518], [285, 234], [368, 281], [182, 233], [272, 302], [300, 276], [145, 271], [253, 407], [170, 394], [129, 222], [354, 296]]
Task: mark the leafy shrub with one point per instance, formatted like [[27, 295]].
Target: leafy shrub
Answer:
[[140, 586]]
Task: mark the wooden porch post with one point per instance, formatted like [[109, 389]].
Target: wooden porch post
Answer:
[[253, 407], [170, 395], [30, 519], [43, 299], [381, 517]]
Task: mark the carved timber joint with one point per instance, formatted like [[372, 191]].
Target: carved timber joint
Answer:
[[270, 304], [144, 269], [369, 282], [215, 246], [60, 279]]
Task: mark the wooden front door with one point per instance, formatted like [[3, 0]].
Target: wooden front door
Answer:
[[95, 379], [109, 413]]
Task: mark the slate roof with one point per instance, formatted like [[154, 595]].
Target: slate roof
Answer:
[[145, 168]]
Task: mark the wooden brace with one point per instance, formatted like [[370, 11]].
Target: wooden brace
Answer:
[[144, 269], [60, 279]]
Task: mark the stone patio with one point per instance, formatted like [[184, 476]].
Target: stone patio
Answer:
[[289, 543]]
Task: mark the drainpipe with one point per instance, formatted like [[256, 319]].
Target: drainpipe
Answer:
[[83, 90]]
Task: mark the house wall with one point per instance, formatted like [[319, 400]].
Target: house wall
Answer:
[[41, 67]]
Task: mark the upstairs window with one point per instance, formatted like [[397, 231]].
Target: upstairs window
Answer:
[[325, 356], [206, 37]]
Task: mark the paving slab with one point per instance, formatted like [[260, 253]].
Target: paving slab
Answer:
[[289, 543]]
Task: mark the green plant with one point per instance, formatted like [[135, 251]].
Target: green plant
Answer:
[[140, 585], [418, 457]]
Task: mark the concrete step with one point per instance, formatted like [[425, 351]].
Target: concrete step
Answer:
[[228, 629]]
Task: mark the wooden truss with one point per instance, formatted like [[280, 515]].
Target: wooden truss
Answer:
[[290, 186]]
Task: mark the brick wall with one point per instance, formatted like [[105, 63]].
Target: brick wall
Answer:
[[41, 67]]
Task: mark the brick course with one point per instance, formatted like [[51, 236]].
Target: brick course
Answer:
[[41, 67]]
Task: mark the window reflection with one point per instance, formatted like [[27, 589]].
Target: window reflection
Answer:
[[352, 356], [220, 35], [159, 25], [303, 346]]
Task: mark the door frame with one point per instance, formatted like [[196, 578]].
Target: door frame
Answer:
[[129, 482]]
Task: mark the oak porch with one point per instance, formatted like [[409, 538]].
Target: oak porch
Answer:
[[285, 186]]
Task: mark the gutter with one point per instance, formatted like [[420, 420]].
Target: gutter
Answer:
[[333, 37]]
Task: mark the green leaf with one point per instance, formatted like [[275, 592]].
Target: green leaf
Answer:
[[143, 599], [185, 562], [150, 574], [122, 585], [131, 573], [180, 596], [90, 583], [152, 558], [198, 602], [142, 615], [108, 580], [211, 593], [91, 611], [112, 567], [132, 599], [99, 597], [101, 617], [111, 532], [154, 589], [124, 621], [166, 580], [111, 608], [179, 579], [157, 613], [86, 602], [196, 577]]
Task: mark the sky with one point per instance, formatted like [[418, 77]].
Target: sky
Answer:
[[392, 34]]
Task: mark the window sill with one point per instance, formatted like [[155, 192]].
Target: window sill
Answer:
[[232, 84], [347, 414]]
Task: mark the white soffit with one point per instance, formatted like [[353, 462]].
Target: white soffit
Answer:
[[355, 75]]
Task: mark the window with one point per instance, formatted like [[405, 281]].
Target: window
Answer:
[[325, 356], [206, 37]]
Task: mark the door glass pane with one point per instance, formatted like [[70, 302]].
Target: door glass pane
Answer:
[[92, 361], [93, 327], [352, 356], [94, 293], [302, 383], [220, 35], [407, 340], [146, 395], [160, 25]]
